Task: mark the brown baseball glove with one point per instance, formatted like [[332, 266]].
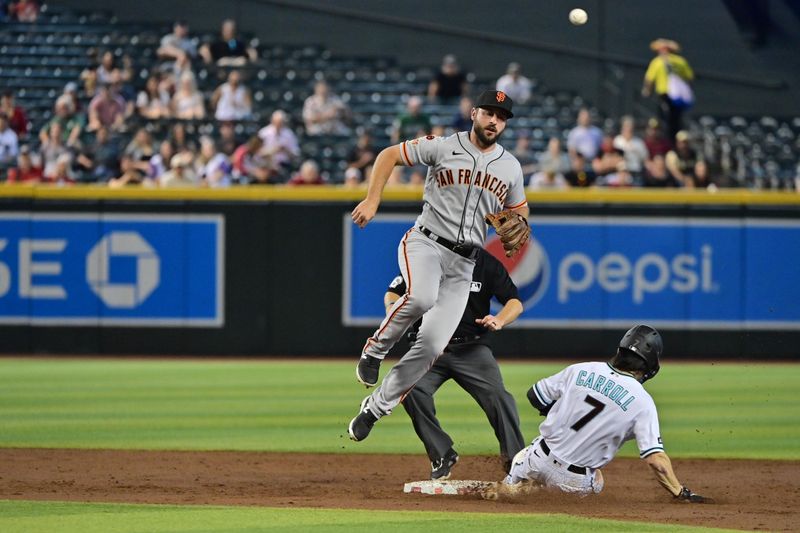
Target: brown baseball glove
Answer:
[[512, 228]]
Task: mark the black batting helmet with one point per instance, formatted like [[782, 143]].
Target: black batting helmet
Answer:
[[645, 343]]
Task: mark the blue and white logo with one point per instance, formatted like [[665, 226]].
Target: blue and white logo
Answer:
[[602, 272], [112, 269]]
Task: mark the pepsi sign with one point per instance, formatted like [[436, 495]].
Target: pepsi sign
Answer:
[[598, 272]]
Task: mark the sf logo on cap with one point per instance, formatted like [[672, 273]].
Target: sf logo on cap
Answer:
[[501, 96]]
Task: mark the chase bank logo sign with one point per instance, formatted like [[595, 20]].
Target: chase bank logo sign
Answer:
[[112, 269], [147, 272]]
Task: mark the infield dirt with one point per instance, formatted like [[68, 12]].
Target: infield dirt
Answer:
[[750, 494]]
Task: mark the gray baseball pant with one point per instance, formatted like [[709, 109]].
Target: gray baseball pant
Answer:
[[437, 281], [475, 369]]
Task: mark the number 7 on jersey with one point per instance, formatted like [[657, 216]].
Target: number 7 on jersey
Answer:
[[597, 406]]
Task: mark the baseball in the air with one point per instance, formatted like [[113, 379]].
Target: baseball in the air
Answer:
[[578, 16]]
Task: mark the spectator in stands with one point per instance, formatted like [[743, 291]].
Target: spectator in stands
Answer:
[[25, 171], [462, 121], [141, 150], [325, 113], [9, 143], [228, 141], [228, 50], [17, 120], [307, 175], [524, 152], [52, 148], [23, 11], [702, 178], [177, 46], [666, 62], [152, 103], [181, 173], [610, 161], [584, 138], [353, 178], [98, 161], [361, 158], [159, 163], [554, 158], [129, 174], [280, 143], [450, 83], [616, 173], [71, 90], [178, 139], [187, 103], [681, 160], [634, 149], [657, 174], [654, 139], [515, 85], [71, 123], [250, 165], [411, 124], [211, 166], [548, 179], [107, 109], [232, 100], [62, 171], [580, 174], [107, 68]]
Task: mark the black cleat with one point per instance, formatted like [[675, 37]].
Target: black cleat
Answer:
[[361, 425], [367, 370], [440, 469]]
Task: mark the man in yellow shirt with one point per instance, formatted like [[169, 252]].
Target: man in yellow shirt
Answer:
[[657, 77]]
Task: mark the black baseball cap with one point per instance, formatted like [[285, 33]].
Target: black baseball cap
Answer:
[[496, 99]]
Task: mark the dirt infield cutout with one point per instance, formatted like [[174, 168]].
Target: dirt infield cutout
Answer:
[[750, 494]]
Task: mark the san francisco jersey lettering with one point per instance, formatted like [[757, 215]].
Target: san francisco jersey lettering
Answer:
[[463, 185]]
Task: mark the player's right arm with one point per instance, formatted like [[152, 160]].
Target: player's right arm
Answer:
[[661, 466], [387, 159]]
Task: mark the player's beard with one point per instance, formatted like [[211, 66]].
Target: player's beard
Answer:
[[480, 134]]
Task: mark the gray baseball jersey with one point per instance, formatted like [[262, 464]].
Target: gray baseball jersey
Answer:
[[463, 185]]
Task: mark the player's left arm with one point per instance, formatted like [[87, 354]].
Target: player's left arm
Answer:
[[546, 392]]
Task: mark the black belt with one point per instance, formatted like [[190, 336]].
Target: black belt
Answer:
[[572, 468], [464, 340], [464, 250]]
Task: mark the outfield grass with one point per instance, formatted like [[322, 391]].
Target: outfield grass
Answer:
[[47, 517], [719, 410]]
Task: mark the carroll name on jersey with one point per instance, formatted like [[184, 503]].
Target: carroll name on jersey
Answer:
[[605, 386]]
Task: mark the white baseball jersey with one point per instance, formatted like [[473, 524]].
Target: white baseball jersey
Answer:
[[597, 409], [463, 185]]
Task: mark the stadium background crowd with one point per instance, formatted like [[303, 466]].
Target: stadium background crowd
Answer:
[[194, 113]]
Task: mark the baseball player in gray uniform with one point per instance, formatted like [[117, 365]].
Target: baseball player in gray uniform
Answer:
[[592, 409], [469, 361], [469, 176]]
